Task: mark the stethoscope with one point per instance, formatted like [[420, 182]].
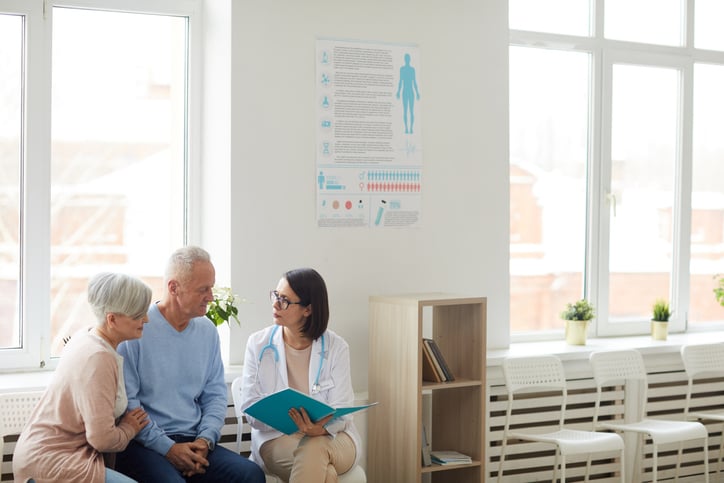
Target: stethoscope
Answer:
[[270, 346]]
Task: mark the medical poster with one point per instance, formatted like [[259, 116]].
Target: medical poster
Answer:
[[369, 125]]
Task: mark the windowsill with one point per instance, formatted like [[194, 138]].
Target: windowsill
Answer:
[[38, 380], [570, 352]]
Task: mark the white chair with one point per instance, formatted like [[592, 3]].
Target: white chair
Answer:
[[700, 361], [15, 410], [544, 374], [354, 475], [620, 369]]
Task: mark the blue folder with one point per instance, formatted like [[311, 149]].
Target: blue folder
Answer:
[[273, 410]]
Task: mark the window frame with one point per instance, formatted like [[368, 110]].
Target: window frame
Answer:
[[682, 190], [34, 240], [605, 53]]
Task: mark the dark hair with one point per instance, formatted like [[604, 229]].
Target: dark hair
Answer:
[[311, 290]]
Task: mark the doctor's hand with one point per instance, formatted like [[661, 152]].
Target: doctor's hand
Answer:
[[305, 425]]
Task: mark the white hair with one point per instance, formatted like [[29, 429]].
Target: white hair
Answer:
[[181, 263], [118, 293]]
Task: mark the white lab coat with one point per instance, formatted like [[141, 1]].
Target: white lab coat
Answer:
[[334, 379]]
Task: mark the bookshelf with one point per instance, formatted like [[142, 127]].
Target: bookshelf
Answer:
[[458, 325]]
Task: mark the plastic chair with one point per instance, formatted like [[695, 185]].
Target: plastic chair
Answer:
[[236, 396], [15, 410], [699, 361], [622, 368], [545, 373], [355, 475]]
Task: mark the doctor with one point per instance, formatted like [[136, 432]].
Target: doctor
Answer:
[[299, 352]]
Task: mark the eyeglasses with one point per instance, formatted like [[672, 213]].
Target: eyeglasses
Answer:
[[284, 302]]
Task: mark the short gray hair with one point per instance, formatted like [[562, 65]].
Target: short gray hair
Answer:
[[181, 263], [118, 293]]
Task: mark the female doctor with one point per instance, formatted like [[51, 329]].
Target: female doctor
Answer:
[[299, 352]]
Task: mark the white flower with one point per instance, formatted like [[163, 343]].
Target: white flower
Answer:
[[222, 308]]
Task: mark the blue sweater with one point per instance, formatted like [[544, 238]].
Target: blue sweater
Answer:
[[178, 378]]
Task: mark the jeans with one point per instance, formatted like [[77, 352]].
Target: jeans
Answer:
[[111, 477], [147, 466], [116, 477]]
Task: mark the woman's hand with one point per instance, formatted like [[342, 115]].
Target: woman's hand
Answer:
[[137, 418], [306, 426]]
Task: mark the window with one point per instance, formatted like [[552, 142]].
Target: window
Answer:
[[635, 21], [707, 18], [101, 184], [11, 94], [536, 15], [615, 177], [548, 170], [639, 196], [707, 192]]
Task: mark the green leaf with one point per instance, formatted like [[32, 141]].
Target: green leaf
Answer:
[[222, 308]]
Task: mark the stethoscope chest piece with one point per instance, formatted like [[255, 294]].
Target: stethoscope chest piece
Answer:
[[316, 387]]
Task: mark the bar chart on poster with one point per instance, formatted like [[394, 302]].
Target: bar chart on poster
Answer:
[[369, 124]]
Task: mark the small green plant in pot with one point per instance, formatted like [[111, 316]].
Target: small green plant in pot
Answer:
[[577, 316], [660, 320], [719, 290]]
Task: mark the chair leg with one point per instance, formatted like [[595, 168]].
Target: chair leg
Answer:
[[678, 460], [623, 465], [706, 459], [655, 467], [502, 458], [721, 450], [563, 469], [588, 467], [638, 456], [555, 464]]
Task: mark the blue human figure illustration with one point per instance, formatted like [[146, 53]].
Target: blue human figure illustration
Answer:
[[408, 86]]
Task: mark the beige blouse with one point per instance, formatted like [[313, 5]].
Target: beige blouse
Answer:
[[298, 367], [74, 421]]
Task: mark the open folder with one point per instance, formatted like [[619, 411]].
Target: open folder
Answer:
[[273, 410]]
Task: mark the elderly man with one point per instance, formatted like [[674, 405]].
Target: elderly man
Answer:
[[176, 374]]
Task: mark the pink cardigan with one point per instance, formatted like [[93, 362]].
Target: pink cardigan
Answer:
[[73, 423]]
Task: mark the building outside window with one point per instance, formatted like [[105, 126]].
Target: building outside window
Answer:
[[616, 193], [93, 164]]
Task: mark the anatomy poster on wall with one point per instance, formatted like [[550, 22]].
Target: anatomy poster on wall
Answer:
[[369, 132]]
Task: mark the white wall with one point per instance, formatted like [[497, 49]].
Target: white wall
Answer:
[[462, 245]]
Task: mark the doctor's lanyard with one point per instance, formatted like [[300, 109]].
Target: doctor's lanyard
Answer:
[[270, 345]]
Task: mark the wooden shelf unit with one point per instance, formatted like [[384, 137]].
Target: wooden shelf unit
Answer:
[[395, 381]]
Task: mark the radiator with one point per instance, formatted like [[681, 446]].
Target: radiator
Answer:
[[530, 462], [228, 440]]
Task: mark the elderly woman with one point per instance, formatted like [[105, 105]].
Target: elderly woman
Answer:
[[82, 413]]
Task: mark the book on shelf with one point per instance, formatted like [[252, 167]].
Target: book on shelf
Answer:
[[449, 457], [435, 361], [429, 371], [273, 410], [437, 354], [426, 460]]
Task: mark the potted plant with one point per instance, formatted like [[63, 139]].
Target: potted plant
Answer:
[[660, 320], [577, 316], [222, 308], [719, 290]]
